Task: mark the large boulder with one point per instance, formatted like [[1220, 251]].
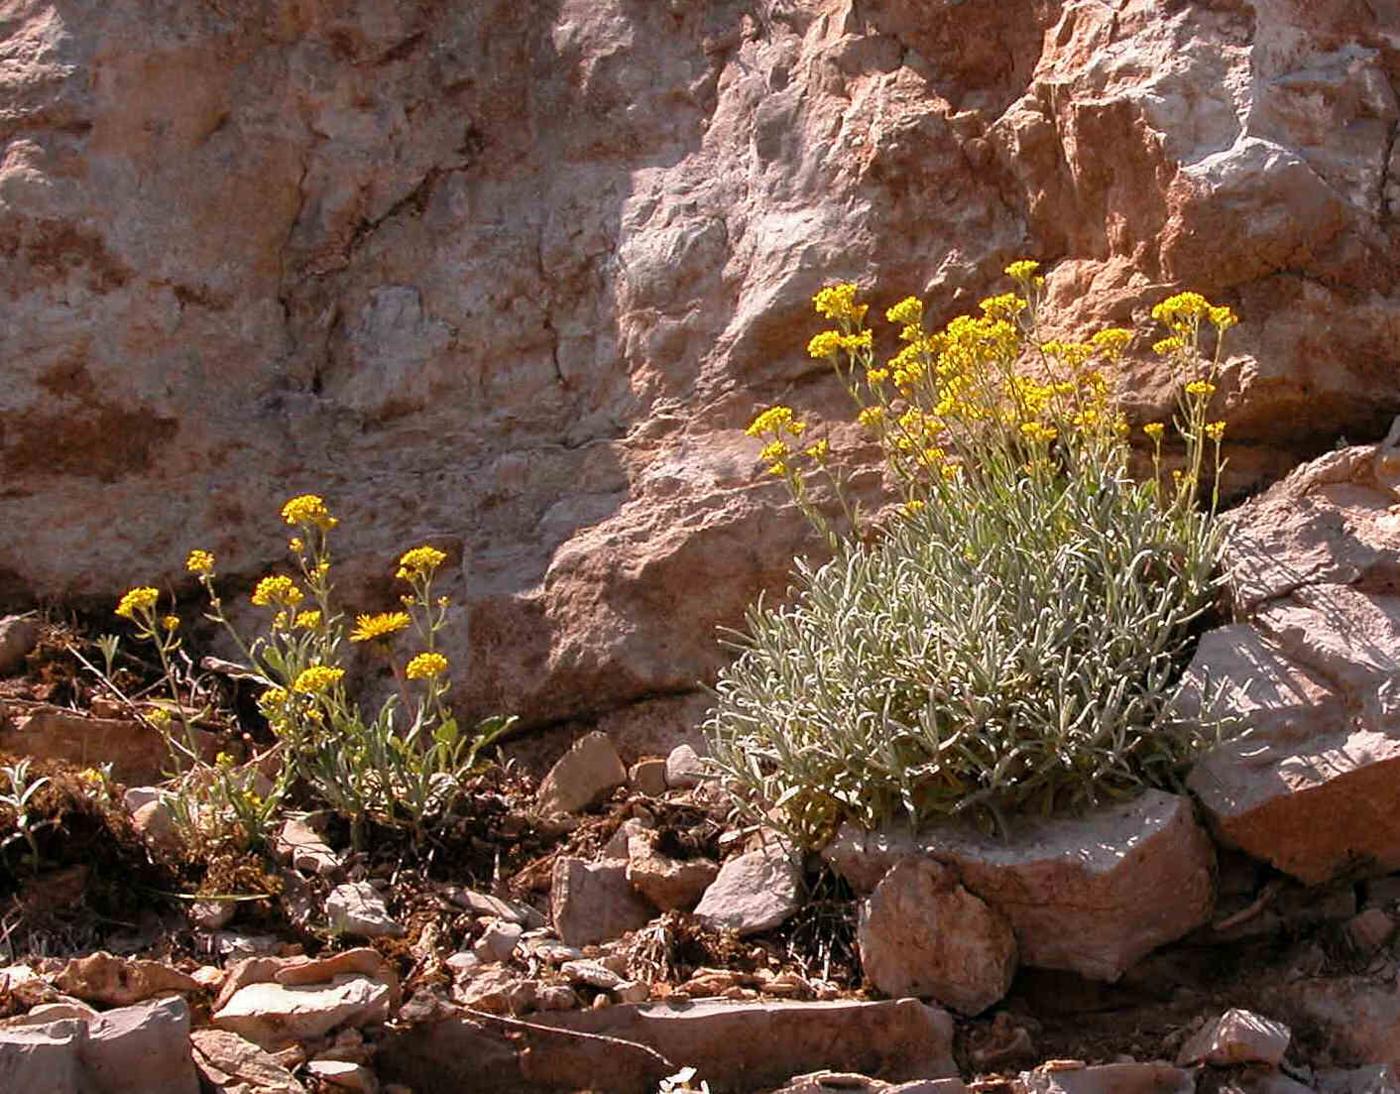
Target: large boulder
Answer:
[[1310, 779], [325, 246], [1089, 894]]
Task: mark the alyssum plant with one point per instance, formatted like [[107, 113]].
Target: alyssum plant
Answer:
[[1012, 636], [400, 766]]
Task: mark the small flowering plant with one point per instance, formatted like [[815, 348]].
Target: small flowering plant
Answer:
[[401, 766], [1009, 636]]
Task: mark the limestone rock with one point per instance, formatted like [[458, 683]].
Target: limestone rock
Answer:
[[667, 882], [684, 768], [226, 1060], [274, 1015], [592, 902], [648, 776], [584, 445], [43, 1059], [120, 981], [922, 934], [484, 904], [591, 973], [142, 1049], [1124, 1078], [300, 844], [754, 1045], [344, 1075], [495, 989], [1237, 1037], [582, 776], [498, 941], [136, 752], [358, 908], [754, 892], [1089, 894], [19, 634]]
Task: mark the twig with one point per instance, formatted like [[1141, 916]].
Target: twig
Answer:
[[602, 1038]]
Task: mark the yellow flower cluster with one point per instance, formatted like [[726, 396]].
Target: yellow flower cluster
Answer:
[[308, 620], [1112, 342], [1039, 433], [317, 680], [1006, 306], [137, 601], [1022, 270], [200, 562], [426, 666], [1215, 431], [838, 303], [775, 420], [308, 510], [419, 563], [871, 417], [831, 342], [1155, 430], [277, 591], [1202, 388], [370, 628]]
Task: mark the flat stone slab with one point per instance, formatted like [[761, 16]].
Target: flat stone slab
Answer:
[[1090, 894]]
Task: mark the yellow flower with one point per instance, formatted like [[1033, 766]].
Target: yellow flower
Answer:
[[825, 344], [296, 545], [317, 680], [277, 590], [876, 376], [819, 450], [774, 451], [1200, 387], [308, 620], [426, 666], [1022, 269], [272, 700], [1155, 430], [871, 417], [1167, 346], [139, 600], [909, 312], [862, 339], [1215, 430], [420, 562], [913, 507], [200, 562], [308, 509], [158, 717], [779, 468], [1182, 311], [839, 302], [170, 622], [1038, 433], [368, 628], [1223, 318], [1112, 342], [773, 421], [1005, 306]]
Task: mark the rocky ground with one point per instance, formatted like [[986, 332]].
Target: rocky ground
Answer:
[[598, 920]]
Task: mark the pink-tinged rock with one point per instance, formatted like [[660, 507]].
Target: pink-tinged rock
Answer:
[[225, 1061], [747, 1046], [582, 776], [43, 1059], [120, 981], [301, 844], [922, 934], [593, 902], [1356, 1020], [1312, 784], [1332, 521], [684, 768], [19, 634], [755, 891], [667, 882], [1089, 894], [1237, 1037], [143, 1049], [275, 1015], [648, 776], [137, 753], [1124, 1078]]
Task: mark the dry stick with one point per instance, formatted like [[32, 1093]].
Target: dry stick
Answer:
[[602, 1038]]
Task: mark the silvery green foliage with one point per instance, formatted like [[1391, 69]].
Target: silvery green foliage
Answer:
[[1011, 647]]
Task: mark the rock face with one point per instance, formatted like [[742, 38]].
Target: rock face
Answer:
[[514, 282], [137, 753], [1089, 894], [922, 934], [1313, 784]]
